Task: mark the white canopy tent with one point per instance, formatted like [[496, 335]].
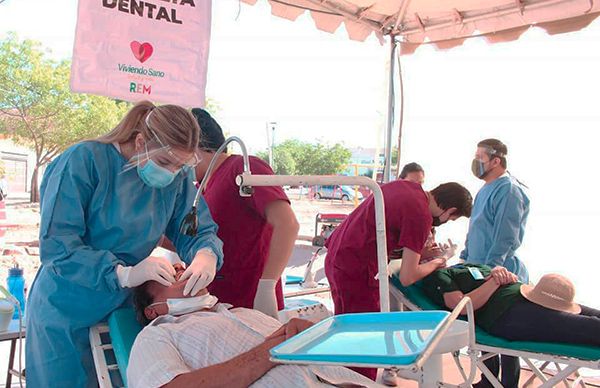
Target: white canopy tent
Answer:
[[445, 24]]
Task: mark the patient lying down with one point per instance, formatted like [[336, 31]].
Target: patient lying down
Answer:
[[195, 341], [514, 311]]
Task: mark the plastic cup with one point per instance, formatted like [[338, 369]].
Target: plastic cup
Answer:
[[6, 312]]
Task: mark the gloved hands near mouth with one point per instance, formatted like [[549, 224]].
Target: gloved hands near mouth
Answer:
[[151, 268], [449, 250], [200, 273]]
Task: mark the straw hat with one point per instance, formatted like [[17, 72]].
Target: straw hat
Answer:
[[553, 291]]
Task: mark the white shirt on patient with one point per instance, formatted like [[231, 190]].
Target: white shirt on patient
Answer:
[[170, 346]]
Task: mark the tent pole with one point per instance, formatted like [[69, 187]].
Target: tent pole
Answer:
[[387, 167], [401, 118]]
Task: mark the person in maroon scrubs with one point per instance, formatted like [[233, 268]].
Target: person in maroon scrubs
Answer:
[[410, 212], [258, 232]]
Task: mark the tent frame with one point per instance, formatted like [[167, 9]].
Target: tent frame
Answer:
[[411, 34]]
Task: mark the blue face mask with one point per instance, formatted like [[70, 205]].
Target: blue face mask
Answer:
[[154, 175]]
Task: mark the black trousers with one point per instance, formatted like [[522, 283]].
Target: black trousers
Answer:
[[527, 321], [511, 371]]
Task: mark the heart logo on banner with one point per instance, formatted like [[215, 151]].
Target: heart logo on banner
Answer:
[[141, 51]]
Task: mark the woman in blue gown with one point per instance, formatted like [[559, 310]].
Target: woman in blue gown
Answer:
[[104, 206]]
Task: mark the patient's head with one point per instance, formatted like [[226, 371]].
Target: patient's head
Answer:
[[147, 297]]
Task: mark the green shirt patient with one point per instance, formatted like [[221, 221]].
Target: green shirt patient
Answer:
[[508, 309], [460, 278]]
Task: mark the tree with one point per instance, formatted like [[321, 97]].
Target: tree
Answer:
[[294, 157], [38, 110]]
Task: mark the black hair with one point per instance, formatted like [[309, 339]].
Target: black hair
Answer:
[[452, 194], [141, 300], [411, 167], [211, 134], [495, 149]]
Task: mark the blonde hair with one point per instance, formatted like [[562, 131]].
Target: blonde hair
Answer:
[[175, 126]]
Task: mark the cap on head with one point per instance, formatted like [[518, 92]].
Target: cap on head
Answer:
[[211, 134]]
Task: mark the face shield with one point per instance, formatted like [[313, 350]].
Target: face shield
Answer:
[[480, 164], [163, 156]]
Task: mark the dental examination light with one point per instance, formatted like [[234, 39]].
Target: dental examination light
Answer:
[[246, 181], [189, 225]]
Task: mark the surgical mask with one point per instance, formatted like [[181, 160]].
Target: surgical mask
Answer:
[[478, 168], [180, 306], [437, 221], [154, 175]]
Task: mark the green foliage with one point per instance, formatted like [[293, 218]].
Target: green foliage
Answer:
[[294, 157], [212, 106], [394, 155], [37, 108]]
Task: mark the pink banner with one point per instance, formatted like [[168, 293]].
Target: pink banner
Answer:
[[142, 50]]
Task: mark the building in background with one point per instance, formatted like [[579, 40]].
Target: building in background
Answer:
[[363, 162], [18, 162]]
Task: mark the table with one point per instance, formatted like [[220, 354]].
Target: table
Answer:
[[12, 335], [291, 290]]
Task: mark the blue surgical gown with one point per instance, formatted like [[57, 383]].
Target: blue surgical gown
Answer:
[[497, 226], [93, 217]]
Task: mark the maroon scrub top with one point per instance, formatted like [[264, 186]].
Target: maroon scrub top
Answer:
[[244, 230], [351, 262]]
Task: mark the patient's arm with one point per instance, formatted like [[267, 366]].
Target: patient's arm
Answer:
[[243, 370], [479, 296], [240, 371], [293, 327], [411, 271]]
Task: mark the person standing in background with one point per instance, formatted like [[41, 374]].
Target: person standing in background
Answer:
[[496, 231], [413, 172]]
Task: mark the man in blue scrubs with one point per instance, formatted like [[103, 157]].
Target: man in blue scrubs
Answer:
[[496, 231]]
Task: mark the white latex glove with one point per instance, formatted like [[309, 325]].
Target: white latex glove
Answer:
[[265, 300], [201, 272], [151, 268], [392, 268], [449, 250]]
